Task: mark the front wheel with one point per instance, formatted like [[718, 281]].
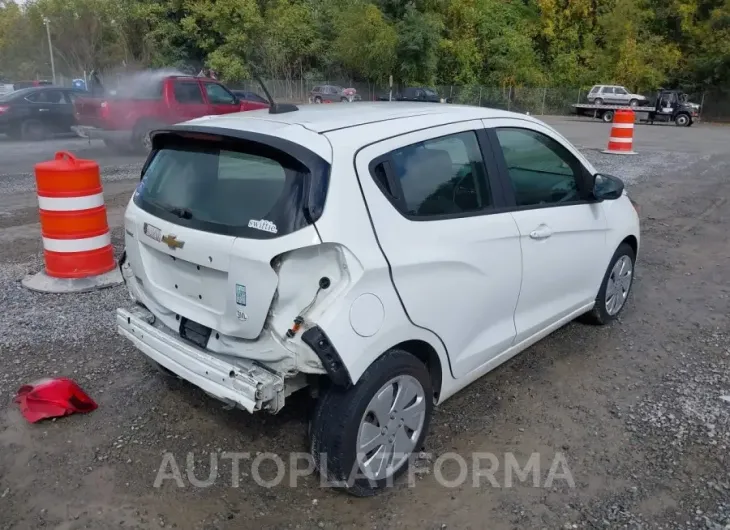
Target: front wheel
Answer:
[[682, 121], [317, 99], [634, 103], [615, 288], [598, 101], [363, 438]]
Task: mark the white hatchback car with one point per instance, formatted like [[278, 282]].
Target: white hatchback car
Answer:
[[385, 255]]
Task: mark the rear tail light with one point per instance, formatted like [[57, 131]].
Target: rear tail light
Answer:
[[3, 109], [104, 110]]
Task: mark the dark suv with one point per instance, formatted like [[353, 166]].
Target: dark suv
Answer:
[[330, 93]]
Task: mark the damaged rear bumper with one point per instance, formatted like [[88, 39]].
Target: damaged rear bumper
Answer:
[[238, 382]]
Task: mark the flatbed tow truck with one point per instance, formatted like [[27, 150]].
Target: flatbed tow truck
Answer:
[[670, 105]]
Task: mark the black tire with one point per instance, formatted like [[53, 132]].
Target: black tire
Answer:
[[33, 130], [634, 103], [140, 135], [598, 101], [317, 99], [338, 414], [607, 116], [344, 100], [682, 120], [599, 315]]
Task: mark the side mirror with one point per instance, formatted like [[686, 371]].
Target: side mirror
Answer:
[[607, 187]]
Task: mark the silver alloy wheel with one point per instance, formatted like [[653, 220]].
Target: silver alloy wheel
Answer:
[[390, 427], [619, 284]]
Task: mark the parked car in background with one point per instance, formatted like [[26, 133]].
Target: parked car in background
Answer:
[[422, 94], [28, 84], [333, 93], [126, 118], [615, 95], [36, 113], [251, 97]]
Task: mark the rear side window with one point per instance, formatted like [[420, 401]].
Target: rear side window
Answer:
[[240, 188], [441, 176], [595, 89], [187, 92], [218, 95], [143, 89]]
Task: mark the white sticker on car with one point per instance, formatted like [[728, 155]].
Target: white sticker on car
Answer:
[[266, 226]]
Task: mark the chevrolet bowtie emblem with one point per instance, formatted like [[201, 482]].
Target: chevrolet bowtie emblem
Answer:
[[172, 242]]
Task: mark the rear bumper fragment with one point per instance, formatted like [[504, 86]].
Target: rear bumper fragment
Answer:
[[233, 380]]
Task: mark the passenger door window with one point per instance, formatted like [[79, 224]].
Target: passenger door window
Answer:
[[187, 92], [542, 172], [441, 176]]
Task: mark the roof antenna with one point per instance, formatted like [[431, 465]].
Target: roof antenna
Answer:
[[275, 108]]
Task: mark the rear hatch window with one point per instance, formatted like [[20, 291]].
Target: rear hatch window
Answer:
[[231, 186]]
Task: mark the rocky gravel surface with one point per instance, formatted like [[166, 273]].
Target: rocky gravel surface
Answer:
[[639, 410]]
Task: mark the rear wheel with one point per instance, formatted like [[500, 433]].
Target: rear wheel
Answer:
[[364, 437], [141, 140], [598, 101], [317, 99], [344, 100], [33, 130], [634, 103], [607, 116]]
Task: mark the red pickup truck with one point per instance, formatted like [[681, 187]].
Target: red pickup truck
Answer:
[[125, 118]]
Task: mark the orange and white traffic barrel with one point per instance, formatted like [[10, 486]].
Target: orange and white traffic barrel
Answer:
[[77, 248], [621, 141]]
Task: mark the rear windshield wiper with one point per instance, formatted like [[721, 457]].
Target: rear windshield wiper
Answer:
[[182, 213]]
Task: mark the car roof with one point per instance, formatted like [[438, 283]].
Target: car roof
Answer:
[[327, 118]]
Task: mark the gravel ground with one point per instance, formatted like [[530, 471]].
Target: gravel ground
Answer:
[[635, 408]]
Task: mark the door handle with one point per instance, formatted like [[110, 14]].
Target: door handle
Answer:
[[541, 232]]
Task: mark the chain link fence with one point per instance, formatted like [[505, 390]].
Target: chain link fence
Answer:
[[715, 104]]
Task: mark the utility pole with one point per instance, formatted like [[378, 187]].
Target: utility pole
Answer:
[[50, 48]]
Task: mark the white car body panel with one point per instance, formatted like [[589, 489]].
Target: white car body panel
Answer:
[[458, 277], [557, 280]]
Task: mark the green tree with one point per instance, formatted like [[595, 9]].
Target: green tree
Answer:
[[366, 42]]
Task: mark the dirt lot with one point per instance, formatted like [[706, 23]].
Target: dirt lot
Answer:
[[635, 408]]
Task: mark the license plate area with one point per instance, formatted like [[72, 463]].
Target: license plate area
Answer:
[[194, 332]]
